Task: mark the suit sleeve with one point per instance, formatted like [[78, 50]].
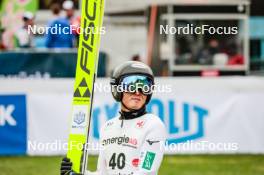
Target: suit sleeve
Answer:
[[152, 150]]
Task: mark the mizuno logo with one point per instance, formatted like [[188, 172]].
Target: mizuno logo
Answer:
[[150, 142]]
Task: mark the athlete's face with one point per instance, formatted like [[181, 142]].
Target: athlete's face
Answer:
[[133, 100]]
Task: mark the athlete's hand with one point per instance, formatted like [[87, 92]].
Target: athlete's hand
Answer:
[[66, 167]]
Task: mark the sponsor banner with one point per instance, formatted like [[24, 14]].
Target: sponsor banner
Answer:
[[13, 128], [212, 115]]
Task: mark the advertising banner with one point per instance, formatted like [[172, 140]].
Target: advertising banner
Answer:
[[218, 115], [13, 125]]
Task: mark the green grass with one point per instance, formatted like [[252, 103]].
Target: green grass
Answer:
[[172, 165]]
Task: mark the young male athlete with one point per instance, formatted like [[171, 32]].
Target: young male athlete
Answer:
[[133, 141]]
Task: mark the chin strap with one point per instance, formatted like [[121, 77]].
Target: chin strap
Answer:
[[133, 113]]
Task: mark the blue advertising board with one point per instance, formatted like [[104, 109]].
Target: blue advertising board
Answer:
[[13, 125]]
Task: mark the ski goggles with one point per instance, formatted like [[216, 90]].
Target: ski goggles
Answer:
[[134, 83]]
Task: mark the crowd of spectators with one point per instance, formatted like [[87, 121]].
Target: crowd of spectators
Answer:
[[24, 38]]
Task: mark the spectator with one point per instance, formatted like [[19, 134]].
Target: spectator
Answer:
[[75, 22], [23, 36], [235, 58], [65, 38], [68, 6], [56, 11], [2, 46], [136, 58], [205, 56]]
